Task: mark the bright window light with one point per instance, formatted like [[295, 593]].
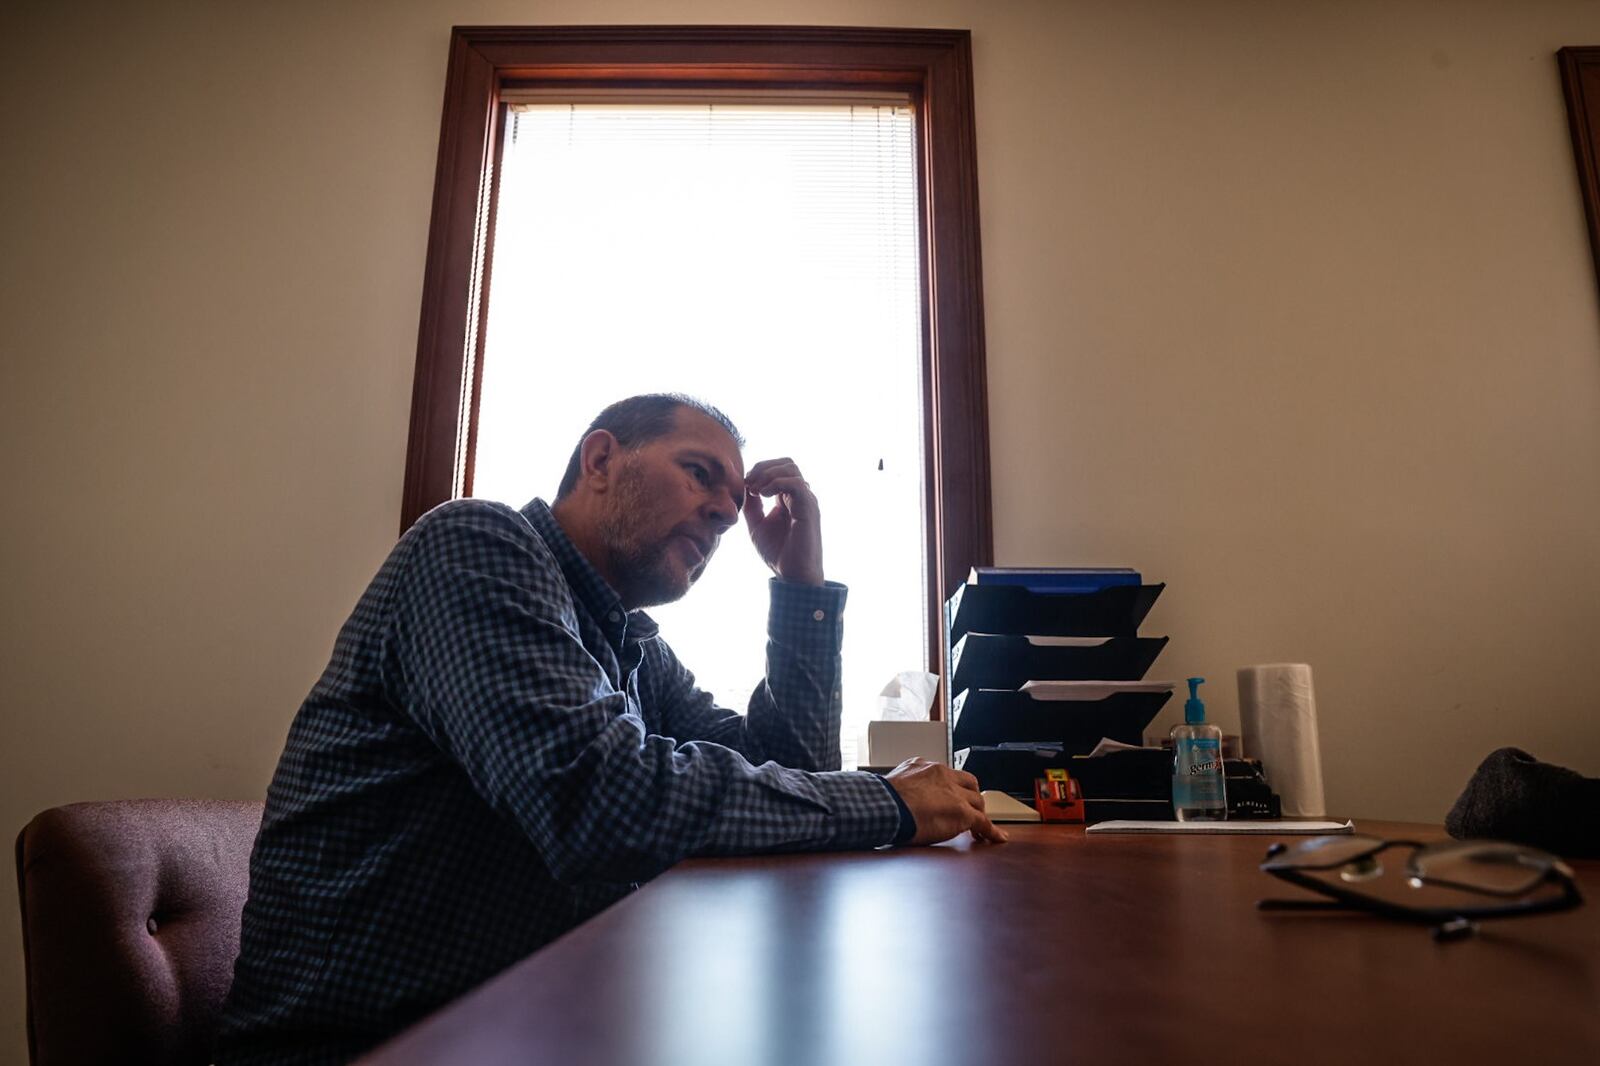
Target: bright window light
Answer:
[[763, 257]]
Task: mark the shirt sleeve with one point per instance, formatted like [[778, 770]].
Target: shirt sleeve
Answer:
[[908, 821], [487, 661], [794, 714]]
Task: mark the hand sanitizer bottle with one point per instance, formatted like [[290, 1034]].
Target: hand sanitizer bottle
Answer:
[[1197, 789]]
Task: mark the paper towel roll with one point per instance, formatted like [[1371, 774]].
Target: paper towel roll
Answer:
[[1278, 720]]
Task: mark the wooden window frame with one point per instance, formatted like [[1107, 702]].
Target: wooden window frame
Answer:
[[933, 66], [1580, 84]]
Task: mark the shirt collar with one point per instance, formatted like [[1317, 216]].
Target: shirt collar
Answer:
[[592, 590]]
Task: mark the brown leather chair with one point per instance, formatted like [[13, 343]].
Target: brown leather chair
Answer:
[[130, 925]]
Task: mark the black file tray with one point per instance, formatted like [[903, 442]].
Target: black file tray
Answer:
[[1010, 770], [1111, 612], [990, 716], [980, 660], [1109, 810], [1143, 774]]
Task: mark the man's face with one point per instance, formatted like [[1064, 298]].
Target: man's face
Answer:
[[670, 502]]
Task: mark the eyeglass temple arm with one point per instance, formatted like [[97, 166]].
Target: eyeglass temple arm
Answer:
[[1341, 899], [1304, 905], [1336, 898]]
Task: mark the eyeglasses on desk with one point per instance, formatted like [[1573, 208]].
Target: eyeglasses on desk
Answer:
[[1514, 880]]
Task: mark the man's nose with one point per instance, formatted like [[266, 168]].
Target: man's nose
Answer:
[[722, 513]]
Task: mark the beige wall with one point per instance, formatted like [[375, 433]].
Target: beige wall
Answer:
[[1289, 304]]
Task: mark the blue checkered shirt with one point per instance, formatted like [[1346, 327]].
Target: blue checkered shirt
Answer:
[[497, 751]]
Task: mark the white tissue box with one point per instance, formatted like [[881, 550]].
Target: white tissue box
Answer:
[[892, 743]]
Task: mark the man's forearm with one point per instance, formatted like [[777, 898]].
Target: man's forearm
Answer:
[[794, 715]]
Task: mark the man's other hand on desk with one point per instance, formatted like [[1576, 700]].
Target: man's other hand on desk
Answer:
[[943, 801]]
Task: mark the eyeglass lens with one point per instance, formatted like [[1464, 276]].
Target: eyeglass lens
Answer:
[[1324, 853], [1498, 868]]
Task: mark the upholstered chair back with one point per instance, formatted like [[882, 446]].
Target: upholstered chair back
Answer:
[[130, 923]]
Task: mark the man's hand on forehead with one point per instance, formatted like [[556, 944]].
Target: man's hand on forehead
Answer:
[[776, 477], [789, 536]]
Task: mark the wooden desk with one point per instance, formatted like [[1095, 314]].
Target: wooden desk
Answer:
[[1056, 947]]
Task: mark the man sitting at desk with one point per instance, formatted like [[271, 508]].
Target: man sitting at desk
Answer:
[[502, 746]]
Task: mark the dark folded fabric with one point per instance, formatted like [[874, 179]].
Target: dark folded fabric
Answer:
[[1513, 796]]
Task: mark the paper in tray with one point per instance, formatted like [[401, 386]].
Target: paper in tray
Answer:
[[1110, 612], [1082, 691]]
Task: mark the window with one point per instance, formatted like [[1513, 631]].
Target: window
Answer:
[[762, 255], [929, 70]]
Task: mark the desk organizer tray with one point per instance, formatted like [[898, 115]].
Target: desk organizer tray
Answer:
[[1138, 774], [1110, 810], [1110, 612], [982, 660], [991, 716], [1119, 785]]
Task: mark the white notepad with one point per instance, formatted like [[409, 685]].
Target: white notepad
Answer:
[[1275, 827]]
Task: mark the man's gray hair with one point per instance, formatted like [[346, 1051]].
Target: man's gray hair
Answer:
[[637, 421]]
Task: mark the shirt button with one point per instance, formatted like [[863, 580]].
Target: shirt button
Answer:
[[818, 615]]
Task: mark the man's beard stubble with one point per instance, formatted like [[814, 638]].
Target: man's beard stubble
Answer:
[[639, 565]]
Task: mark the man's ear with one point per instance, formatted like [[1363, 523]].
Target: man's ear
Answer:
[[596, 459]]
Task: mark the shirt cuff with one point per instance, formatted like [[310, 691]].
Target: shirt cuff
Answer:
[[860, 816], [908, 823], [807, 618]]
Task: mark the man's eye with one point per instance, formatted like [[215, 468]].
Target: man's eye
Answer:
[[699, 473]]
